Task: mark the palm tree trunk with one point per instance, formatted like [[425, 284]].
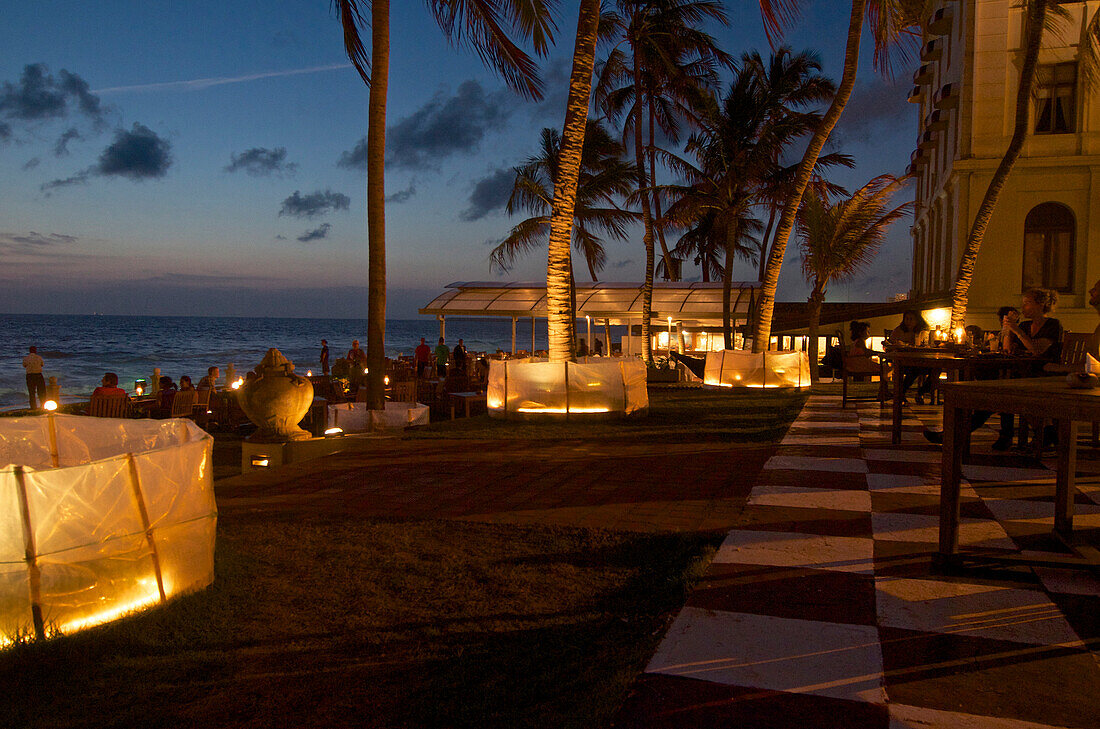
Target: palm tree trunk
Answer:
[[669, 274], [817, 298], [765, 249], [559, 313], [1036, 14], [376, 204], [727, 286], [647, 218], [766, 303]]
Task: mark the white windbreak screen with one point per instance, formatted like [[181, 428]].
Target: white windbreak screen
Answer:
[[354, 417], [128, 513], [595, 385], [739, 368]]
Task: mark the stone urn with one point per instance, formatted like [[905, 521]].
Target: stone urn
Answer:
[[276, 400]]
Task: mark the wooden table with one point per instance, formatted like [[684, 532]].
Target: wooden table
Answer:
[[466, 398], [957, 366], [1045, 397]]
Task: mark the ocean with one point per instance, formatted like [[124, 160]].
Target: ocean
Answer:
[[78, 349]]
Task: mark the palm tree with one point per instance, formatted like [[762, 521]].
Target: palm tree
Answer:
[[483, 25], [738, 151], [604, 177], [671, 63], [840, 239], [892, 25], [560, 313]]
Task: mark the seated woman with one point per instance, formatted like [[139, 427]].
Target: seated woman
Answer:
[[913, 332], [185, 383], [860, 359]]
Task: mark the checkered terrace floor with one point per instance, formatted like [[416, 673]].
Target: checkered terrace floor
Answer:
[[822, 608]]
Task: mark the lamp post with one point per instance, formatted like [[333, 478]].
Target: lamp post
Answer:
[[670, 336]]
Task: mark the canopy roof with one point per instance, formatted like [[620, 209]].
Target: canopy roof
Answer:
[[619, 302]]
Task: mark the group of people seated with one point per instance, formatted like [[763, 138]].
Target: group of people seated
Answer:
[[1037, 335], [166, 390]]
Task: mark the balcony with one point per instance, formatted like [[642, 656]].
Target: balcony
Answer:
[[923, 75], [947, 97], [918, 157], [916, 96], [941, 21], [932, 51], [927, 141], [936, 121]]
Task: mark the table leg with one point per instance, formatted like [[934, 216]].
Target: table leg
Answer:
[[895, 425], [955, 434], [1067, 467]]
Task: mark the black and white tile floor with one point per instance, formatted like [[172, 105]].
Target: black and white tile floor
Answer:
[[822, 609]]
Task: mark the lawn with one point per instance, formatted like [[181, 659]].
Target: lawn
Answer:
[[675, 414], [344, 623]]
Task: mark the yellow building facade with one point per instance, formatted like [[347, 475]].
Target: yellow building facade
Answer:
[[1045, 230]]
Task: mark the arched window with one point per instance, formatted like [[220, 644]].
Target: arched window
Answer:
[[1048, 247]]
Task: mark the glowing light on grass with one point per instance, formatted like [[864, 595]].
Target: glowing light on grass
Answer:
[[563, 411], [119, 610], [334, 431]]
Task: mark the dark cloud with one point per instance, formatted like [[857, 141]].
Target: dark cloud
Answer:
[[280, 237], [314, 204], [39, 95], [356, 157], [262, 162], [138, 154], [61, 146], [78, 179], [33, 242], [874, 106], [622, 264], [31, 163], [315, 234], [490, 193], [402, 195], [446, 126]]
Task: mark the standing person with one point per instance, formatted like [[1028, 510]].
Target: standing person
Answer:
[[210, 381], [357, 362], [597, 347], [324, 358], [36, 383], [442, 354], [423, 355], [460, 356]]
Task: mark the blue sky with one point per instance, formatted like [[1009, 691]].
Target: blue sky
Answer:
[[198, 158]]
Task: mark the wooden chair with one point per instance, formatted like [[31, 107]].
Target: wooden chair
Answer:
[[109, 407], [1073, 355], [183, 404], [404, 391], [859, 367]]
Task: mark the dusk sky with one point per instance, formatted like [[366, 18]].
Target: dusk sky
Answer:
[[199, 158]]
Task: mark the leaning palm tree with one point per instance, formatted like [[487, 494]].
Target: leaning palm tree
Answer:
[[604, 178], [560, 313], [671, 63], [739, 147], [894, 26], [840, 239], [482, 24]]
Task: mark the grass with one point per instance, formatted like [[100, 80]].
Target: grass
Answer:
[[351, 623], [675, 414]]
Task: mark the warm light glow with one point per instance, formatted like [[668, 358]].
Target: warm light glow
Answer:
[[309, 373], [139, 390], [938, 317], [260, 461], [50, 405], [152, 597], [386, 379], [237, 384], [495, 404], [334, 431], [563, 410], [366, 371]]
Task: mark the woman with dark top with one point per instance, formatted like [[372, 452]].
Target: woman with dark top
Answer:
[[1038, 336], [913, 332]]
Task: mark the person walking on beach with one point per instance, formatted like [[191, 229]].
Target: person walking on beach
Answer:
[[460, 356], [442, 354], [423, 355], [324, 358], [36, 383]]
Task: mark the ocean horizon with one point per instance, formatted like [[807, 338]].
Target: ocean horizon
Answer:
[[79, 348]]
